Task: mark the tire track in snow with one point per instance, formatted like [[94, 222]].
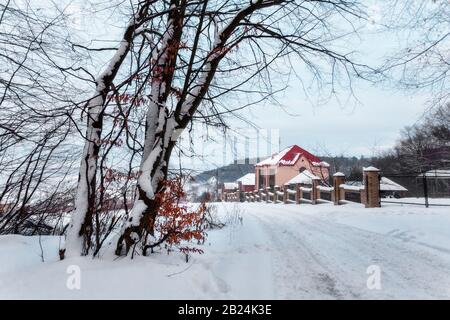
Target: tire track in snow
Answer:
[[335, 257], [408, 269], [302, 274], [239, 266]]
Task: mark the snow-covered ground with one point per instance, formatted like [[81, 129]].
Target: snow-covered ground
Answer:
[[278, 252]]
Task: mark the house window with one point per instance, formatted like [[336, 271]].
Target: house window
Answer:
[[301, 169]]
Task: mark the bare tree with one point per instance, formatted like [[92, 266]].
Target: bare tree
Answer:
[[177, 62], [422, 146], [422, 63], [186, 57], [35, 119]]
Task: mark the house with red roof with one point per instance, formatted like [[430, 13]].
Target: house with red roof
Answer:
[[280, 168]]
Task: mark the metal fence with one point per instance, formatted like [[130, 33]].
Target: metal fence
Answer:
[[415, 189]]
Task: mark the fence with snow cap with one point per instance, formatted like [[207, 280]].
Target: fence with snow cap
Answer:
[[367, 194]]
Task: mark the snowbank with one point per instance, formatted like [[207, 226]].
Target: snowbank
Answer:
[[267, 251]]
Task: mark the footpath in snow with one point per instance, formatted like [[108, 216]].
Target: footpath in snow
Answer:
[[277, 252]]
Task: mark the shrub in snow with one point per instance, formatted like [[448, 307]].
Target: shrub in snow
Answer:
[[177, 224], [212, 219]]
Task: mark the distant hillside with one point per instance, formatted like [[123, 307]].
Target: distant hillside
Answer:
[[229, 173]]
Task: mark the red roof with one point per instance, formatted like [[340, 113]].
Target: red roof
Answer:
[[289, 157]]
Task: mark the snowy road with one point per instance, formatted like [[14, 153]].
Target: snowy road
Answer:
[[314, 257], [277, 252]]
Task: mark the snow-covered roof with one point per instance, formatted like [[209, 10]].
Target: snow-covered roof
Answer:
[[288, 157], [230, 185], [247, 180], [371, 168], [438, 173], [305, 177], [338, 174], [353, 183], [321, 164], [211, 180], [389, 185], [385, 185]]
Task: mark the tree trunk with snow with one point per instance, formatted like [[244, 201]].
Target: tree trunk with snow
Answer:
[[79, 235], [174, 83], [158, 142], [163, 129]]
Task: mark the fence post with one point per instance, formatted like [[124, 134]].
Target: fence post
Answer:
[[267, 194], [285, 194], [301, 191], [371, 177], [338, 179], [297, 193], [315, 183], [425, 188]]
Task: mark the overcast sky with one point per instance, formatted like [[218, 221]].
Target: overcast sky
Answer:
[[365, 126], [355, 128]]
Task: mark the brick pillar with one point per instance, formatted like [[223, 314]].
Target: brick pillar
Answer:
[[338, 179], [297, 193], [363, 197], [315, 183], [371, 179]]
